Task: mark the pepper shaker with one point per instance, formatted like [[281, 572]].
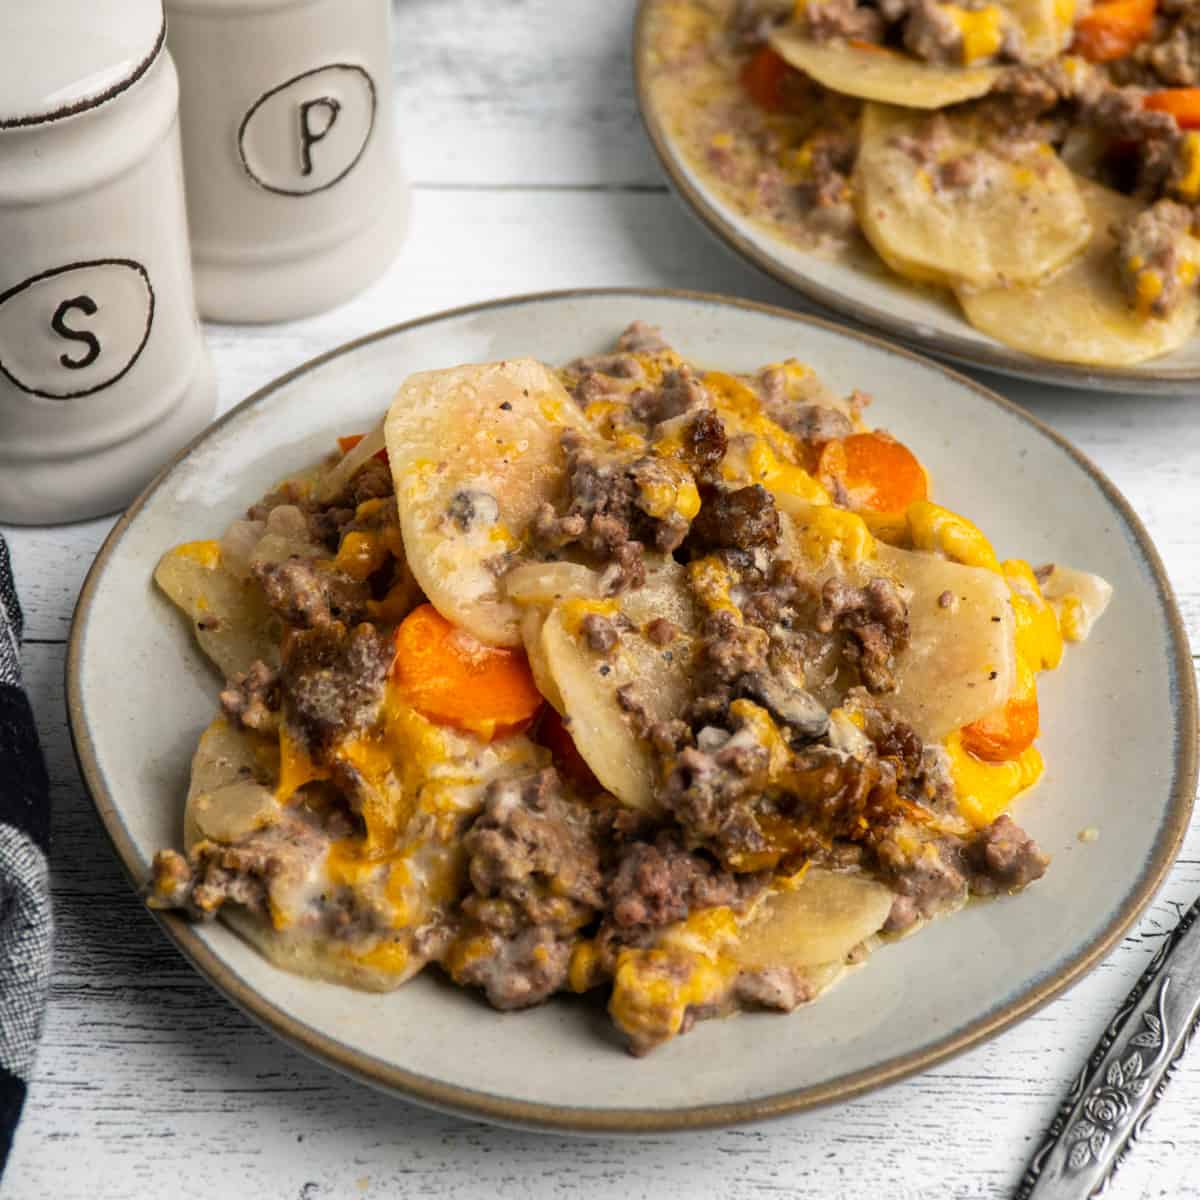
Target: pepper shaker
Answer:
[[103, 372], [295, 194]]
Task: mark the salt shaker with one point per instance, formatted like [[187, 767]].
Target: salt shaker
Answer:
[[295, 194], [103, 372]]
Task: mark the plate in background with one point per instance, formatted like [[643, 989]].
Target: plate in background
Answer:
[[862, 289]]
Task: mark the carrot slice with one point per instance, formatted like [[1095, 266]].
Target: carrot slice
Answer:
[[347, 443], [1112, 29], [769, 80], [1182, 103], [878, 473], [552, 733], [1004, 734], [453, 679]]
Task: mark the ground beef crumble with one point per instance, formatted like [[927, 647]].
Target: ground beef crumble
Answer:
[[251, 698], [535, 878], [307, 595], [874, 619], [610, 511], [332, 681]]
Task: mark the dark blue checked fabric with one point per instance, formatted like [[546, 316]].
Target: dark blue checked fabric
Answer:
[[25, 921]]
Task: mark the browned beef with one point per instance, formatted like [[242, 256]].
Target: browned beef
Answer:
[[927, 879], [251, 698], [728, 651], [1170, 56], [308, 596], [532, 846], [875, 620], [599, 633], [931, 874], [1153, 241], [610, 499], [704, 445], [659, 882], [753, 21], [817, 423], [518, 970], [534, 871], [717, 790], [641, 338], [1175, 59], [680, 391], [711, 794], [825, 192], [242, 874], [735, 518], [326, 525], [777, 988], [931, 33], [842, 20], [1004, 858], [372, 481], [1118, 112], [332, 682]]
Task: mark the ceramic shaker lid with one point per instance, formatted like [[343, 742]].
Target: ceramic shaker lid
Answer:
[[61, 56]]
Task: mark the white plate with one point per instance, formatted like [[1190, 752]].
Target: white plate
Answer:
[[869, 294], [1118, 736]]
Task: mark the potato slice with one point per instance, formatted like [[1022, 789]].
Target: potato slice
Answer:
[[587, 683], [819, 921], [1080, 314], [533, 622], [960, 663], [879, 74], [474, 452], [1021, 218], [229, 617], [227, 795]]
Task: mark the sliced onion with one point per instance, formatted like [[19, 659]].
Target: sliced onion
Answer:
[[543, 584], [238, 546], [340, 474]]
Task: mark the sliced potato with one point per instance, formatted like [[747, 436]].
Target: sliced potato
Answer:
[[819, 921], [1021, 218], [474, 452], [1080, 314], [229, 617], [587, 683], [227, 796], [876, 73], [960, 663]]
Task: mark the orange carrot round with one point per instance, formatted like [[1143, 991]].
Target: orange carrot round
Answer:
[[1112, 29], [878, 473], [1004, 734], [1182, 103], [768, 80], [454, 679]]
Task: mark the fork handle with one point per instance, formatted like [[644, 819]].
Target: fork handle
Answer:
[[1113, 1096]]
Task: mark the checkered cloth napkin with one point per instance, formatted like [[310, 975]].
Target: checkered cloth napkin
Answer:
[[25, 924]]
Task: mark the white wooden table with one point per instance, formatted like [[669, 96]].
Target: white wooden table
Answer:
[[530, 173]]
